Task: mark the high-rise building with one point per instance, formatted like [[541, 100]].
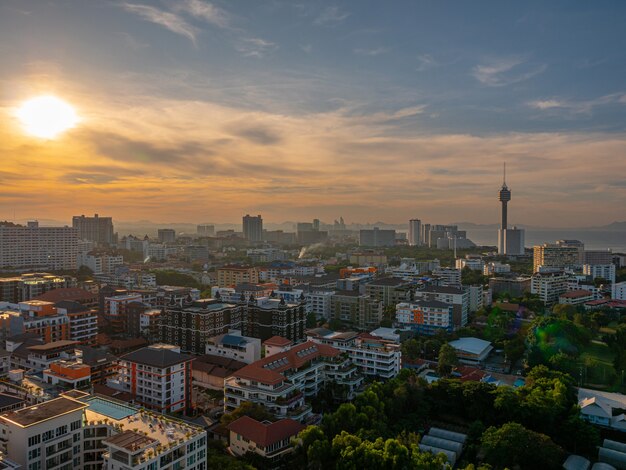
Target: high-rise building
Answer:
[[553, 257], [96, 229], [377, 237], [415, 232], [253, 228], [32, 246], [510, 240], [206, 230], [166, 235]]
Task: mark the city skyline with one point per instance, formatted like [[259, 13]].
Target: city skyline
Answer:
[[194, 111]]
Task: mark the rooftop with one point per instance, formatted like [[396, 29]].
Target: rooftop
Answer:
[[269, 370], [388, 281], [156, 357], [264, 433], [471, 345], [131, 441], [576, 294], [67, 293], [43, 411], [442, 290], [277, 341]]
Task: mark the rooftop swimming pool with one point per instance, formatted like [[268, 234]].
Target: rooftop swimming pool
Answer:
[[110, 409]]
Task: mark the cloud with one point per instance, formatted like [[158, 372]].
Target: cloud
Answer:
[[205, 11], [507, 71], [426, 62], [259, 134], [580, 106], [255, 47], [331, 16], [371, 52], [168, 20]]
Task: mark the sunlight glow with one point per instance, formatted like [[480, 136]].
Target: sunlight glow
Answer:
[[46, 116]]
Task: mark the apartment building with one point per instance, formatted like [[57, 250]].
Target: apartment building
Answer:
[[389, 290], [265, 318], [32, 285], [116, 309], [32, 246], [158, 377], [549, 286], [356, 310], [191, 324], [100, 263], [425, 317], [43, 319], [458, 298], [604, 271], [373, 356], [555, 257], [78, 431], [96, 229], [448, 276], [83, 321], [282, 381], [232, 275]]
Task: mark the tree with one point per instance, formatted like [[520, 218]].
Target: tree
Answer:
[[512, 445], [514, 349], [311, 320], [447, 360], [411, 349], [247, 408]]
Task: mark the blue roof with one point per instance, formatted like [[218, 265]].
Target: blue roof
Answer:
[[231, 340]]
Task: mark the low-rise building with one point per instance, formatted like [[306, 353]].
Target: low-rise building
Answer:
[[374, 356], [234, 346], [576, 297], [471, 350], [271, 441], [281, 382], [68, 374]]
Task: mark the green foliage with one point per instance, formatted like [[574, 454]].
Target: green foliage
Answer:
[[512, 445], [447, 360], [411, 349], [174, 278], [218, 458], [254, 410], [472, 277]]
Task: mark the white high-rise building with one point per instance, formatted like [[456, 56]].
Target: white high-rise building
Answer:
[[415, 232], [32, 246]]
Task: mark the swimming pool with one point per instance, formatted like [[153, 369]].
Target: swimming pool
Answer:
[[109, 408]]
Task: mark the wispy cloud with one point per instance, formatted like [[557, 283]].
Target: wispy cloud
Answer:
[[371, 52], [255, 47], [331, 16], [507, 71], [426, 62], [171, 21], [205, 11], [578, 107]]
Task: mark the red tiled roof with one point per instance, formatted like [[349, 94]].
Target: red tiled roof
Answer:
[[291, 359], [67, 293], [278, 341], [576, 294], [265, 434]]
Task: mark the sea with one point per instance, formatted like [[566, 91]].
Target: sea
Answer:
[[593, 239]]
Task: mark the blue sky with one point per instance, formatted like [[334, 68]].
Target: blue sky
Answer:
[[366, 109]]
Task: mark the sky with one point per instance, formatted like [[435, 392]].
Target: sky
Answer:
[[204, 111]]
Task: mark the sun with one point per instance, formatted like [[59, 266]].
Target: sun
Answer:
[[46, 116]]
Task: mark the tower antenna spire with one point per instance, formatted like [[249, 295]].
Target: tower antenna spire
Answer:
[[504, 176]]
